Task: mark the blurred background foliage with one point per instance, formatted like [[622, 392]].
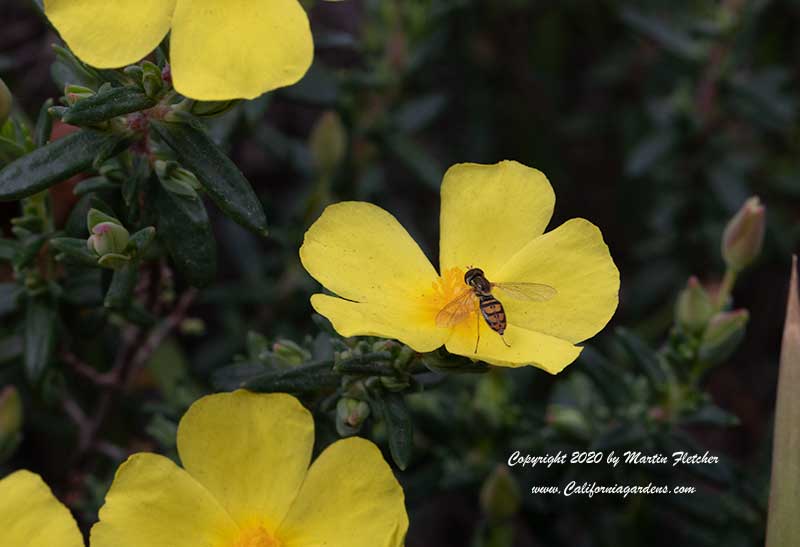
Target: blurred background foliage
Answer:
[[654, 120]]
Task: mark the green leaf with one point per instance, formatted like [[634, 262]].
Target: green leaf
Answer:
[[107, 104], [218, 175], [73, 250], [399, 426], [185, 229], [304, 379], [123, 282], [44, 125], [40, 336], [52, 163]]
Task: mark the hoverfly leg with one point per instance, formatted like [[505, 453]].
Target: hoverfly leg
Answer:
[[478, 324], [504, 341]]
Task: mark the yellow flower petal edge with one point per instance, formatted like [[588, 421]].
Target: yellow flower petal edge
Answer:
[[493, 217], [111, 34], [31, 516], [363, 254], [238, 48], [400, 323], [349, 499], [576, 261], [154, 503], [266, 439], [489, 212]]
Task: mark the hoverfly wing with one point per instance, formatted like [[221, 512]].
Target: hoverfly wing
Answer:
[[456, 310], [530, 292]]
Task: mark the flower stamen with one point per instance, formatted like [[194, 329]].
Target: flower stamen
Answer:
[[256, 537]]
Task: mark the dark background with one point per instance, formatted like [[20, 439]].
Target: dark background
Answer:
[[654, 120]]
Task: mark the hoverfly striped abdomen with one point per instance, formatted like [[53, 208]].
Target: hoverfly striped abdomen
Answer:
[[493, 312]]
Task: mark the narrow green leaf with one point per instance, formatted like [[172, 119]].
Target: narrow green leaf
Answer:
[[40, 336], [399, 427], [123, 282], [783, 528], [52, 163], [9, 298], [185, 229], [113, 102], [218, 175], [73, 250], [44, 125], [307, 378]]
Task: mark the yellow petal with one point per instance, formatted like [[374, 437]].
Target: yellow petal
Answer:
[[31, 516], [526, 347], [111, 34], [349, 499], [238, 49], [360, 252], [489, 212], [574, 260], [251, 451], [154, 503], [414, 327]]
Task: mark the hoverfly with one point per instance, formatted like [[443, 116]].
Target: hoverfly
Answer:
[[477, 295]]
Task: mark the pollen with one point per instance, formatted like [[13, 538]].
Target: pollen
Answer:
[[449, 287], [256, 537]]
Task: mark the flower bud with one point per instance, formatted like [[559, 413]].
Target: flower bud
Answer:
[[328, 143], [694, 308], [5, 102], [10, 421], [290, 352], [744, 236], [500, 495], [74, 93], [723, 335], [350, 416], [108, 238]]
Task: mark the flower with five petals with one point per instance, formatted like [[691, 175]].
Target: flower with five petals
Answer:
[[493, 217]]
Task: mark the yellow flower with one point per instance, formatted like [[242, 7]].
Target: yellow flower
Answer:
[[246, 482], [493, 217], [30, 516], [218, 50]]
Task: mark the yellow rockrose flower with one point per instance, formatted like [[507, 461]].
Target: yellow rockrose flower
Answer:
[[236, 49], [493, 217], [246, 482], [30, 516]]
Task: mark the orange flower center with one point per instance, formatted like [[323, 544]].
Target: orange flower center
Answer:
[[256, 537], [448, 288]]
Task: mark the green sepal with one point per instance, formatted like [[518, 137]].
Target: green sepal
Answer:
[[113, 261], [52, 163], [218, 175], [96, 216], [107, 104]]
